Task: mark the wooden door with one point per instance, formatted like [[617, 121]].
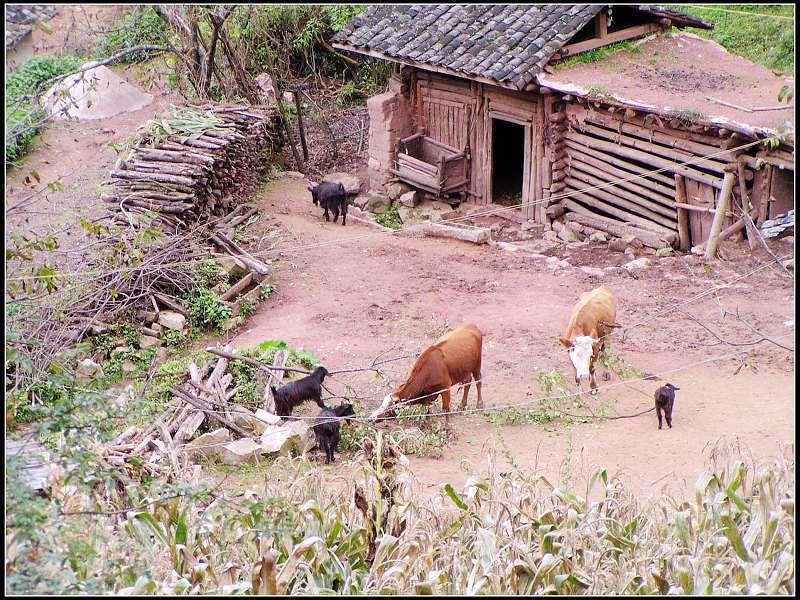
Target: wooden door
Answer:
[[443, 113], [528, 210]]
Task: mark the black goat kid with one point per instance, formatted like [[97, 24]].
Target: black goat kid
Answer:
[[330, 195], [326, 429], [665, 398], [297, 392]]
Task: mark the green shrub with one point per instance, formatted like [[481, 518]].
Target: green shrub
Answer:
[[390, 217], [206, 310], [23, 113], [139, 28]]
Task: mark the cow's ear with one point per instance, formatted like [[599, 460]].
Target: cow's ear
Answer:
[[565, 342]]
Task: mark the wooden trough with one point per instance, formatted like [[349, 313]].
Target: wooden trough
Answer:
[[430, 165]]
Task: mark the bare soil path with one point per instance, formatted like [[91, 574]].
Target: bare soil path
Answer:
[[351, 293]]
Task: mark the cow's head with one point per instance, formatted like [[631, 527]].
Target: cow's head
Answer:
[[385, 406], [580, 353], [313, 189]]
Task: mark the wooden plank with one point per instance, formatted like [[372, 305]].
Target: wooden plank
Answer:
[[573, 146], [653, 200], [624, 125], [644, 157], [684, 232], [617, 36], [664, 151], [609, 204], [616, 199], [409, 161]]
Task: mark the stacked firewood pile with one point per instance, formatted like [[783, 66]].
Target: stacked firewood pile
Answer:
[[194, 164], [206, 395]]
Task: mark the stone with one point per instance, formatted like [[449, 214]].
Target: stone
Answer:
[[161, 355], [351, 183], [617, 245], [148, 341], [157, 327], [119, 350], [557, 226], [593, 271], [361, 202], [267, 88], [280, 439], [576, 227], [598, 236], [243, 451], [88, 369], [172, 320], [550, 236], [410, 199], [209, 443], [632, 240], [378, 203], [629, 252], [268, 418], [567, 235], [288, 97], [232, 323], [556, 263], [536, 230], [406, 214], [128, 367], [232, 266], [637, 265], [666, 251], [245, 419], [789, 264], [395, 190]]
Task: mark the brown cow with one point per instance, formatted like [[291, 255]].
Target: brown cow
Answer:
[[455, 358], [591, 321]]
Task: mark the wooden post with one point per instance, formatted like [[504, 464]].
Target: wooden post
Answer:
[[719, 216], [684, 233], [300, 124], [752, 234], [766, 184]]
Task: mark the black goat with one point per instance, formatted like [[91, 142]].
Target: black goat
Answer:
[[665, 398], [297, 392], [330, 195], [326, 429]]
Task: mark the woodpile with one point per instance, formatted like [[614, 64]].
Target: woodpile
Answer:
[[206, 396], [186, 177]]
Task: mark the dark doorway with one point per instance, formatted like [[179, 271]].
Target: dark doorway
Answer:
[[508, 162]]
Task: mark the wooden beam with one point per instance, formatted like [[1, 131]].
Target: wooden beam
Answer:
[[601, 25], [719, 216], [617, 36], [684, 236]]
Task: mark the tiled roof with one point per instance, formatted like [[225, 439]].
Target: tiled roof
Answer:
[[508, 44]]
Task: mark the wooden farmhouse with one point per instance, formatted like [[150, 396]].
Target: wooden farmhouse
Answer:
[[483, 107]]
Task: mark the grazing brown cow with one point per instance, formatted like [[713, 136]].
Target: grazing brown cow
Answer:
[[455, 358], [592, 319]]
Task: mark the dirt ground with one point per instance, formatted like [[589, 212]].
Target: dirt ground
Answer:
[[351, 293], [682, 72]]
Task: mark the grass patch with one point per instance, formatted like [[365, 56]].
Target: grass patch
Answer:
[[23, 112], [390, 217], [687, 116], [764, 40]]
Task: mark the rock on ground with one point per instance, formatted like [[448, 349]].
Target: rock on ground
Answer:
[[636, 265], [209, 443], [410, 199], [97, 93], [241, 451], [350, 182], [172, 320]]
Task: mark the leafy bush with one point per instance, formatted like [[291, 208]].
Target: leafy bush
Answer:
[[23, 113], [138, 28], [390, 217], [206, 310]]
